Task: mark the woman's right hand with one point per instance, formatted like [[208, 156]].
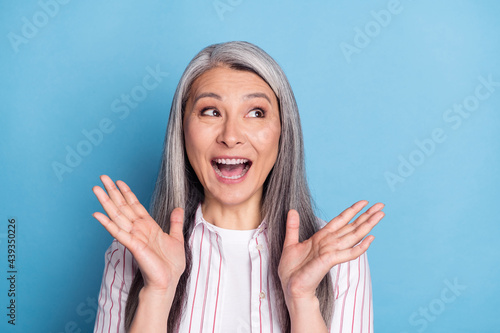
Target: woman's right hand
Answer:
[[160, 256]]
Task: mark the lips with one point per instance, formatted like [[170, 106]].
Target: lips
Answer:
[[231, 168]]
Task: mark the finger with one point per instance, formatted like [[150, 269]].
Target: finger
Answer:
[[352, 253], [361, 219], [292, 228], [355, 236], [114, 230], [113, 212], [132, 200], [117, 197], [176, 223], [343, 218]]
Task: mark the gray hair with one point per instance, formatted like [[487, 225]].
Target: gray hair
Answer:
[[285, 187]]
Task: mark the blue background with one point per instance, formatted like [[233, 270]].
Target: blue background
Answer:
[[366, 91]]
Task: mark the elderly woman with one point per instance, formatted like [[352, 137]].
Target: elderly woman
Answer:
[[232, 243]]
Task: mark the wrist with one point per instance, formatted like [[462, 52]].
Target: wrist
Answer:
[[152, 311], [157, 296], [302, 305], [296, 296], [305, 315]]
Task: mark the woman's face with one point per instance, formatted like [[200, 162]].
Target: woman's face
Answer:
[[231, 129]]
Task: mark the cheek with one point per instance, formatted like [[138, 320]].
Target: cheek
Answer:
[[192, 143], [188, 139], [267, 141]]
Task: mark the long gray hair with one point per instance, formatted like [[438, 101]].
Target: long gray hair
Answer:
[[285, 187]]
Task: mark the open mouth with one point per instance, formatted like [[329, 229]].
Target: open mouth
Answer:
[[231, 168]]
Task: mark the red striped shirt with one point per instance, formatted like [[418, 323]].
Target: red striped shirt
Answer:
[[209, 290]]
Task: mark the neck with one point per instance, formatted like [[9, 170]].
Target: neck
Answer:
[[242, 216]]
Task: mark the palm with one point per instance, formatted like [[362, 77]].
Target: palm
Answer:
[[304, 264], [160, 256]]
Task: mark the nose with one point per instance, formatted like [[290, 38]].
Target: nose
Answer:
[[231, 133]]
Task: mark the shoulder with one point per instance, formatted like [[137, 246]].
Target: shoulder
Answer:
[[119, 262], [119, 272], [320, 223], [350, 273]]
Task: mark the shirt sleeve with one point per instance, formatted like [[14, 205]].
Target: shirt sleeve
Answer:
[[119, 272], [353, 308]]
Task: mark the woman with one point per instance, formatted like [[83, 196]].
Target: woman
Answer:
[[232, 243]]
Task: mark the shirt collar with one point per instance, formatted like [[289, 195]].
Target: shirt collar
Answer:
[[199, 220]]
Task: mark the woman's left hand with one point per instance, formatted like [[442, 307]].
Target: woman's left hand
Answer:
[[304, 264]]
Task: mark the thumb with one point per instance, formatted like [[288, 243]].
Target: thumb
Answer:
[[292, 228], [176, 223]]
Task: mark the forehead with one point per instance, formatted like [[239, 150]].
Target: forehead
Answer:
[[227, 80]]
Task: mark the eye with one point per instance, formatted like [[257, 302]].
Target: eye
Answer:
[[257, 113], [211, 112]]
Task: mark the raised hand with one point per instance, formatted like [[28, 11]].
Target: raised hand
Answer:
[[303, 265], [160, 256]]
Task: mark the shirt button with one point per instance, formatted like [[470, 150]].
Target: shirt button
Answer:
[[262, 295], [259, 247]]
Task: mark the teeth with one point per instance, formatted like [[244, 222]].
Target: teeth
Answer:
[[231, 161], [232, 177]]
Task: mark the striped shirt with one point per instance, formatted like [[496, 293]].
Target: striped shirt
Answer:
[[225, 298]]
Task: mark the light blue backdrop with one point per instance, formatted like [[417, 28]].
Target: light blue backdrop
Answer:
[[399, 101]]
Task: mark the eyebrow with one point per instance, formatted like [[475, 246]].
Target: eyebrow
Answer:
[[208, 94], [258, 95], [249, 96]]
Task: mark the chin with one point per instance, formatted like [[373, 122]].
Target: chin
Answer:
[[233, 197]]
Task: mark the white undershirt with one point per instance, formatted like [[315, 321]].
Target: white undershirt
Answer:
[[237, 285]]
